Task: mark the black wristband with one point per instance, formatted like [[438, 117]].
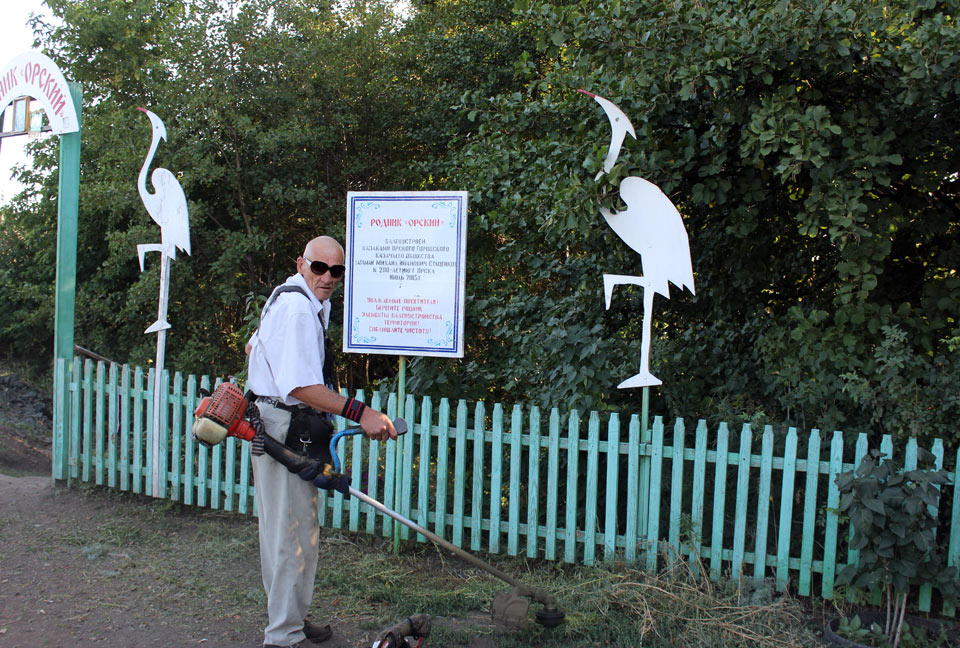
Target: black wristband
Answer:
[[353, 410]]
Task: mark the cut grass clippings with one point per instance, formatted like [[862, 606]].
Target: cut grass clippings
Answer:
[[183, 551]]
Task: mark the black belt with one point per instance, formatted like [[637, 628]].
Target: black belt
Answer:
[[276, 402]]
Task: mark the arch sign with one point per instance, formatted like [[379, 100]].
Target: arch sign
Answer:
[[35, 75]]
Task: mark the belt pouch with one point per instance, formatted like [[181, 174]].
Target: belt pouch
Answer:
[[310, 433]]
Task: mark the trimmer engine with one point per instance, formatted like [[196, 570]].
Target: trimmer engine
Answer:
[[222, 415]]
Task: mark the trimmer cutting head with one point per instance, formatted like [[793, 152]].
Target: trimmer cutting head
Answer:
[[550, 618], [510, 607]]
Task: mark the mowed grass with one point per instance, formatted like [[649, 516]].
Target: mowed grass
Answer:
[[188, 554]]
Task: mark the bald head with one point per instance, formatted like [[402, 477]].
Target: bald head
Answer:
[[321, 245]]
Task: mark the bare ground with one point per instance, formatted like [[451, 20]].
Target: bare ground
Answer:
[[82, 566]]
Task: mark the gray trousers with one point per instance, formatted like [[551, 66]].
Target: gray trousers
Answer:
[[289, 537]]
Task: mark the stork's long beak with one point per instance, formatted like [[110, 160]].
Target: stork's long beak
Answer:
[[619, 127]]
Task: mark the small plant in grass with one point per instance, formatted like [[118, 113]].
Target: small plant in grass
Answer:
[[873, 635], [895, 531]]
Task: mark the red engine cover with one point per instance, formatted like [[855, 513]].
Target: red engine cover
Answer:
[[227, 407]]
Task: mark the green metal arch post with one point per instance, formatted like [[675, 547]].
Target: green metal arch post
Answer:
[[68, 207]]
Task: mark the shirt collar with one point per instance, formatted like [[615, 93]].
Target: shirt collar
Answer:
[[321, 308]]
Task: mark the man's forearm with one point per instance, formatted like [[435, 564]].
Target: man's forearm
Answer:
[[320, 398], [375, 424]]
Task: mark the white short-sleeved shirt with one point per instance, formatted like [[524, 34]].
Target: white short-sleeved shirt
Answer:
[[287, 350]]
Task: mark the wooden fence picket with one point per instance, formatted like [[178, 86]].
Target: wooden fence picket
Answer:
[[163, 461], [177, 433], [113, 421], [126, 402], [925, 594], [570, 494], [676, 491], [476, 492], [553, 479], [786, 509], [443, 460], [460, 476], [424, 458], [743, 494], [148, 434], [612, 481], [60, 454], [809, 512], [203, 455], [245, 471], [87, 416], [100, 394], [853, 555], [190, 445], [591, 486], [74, 426], [496, 478], [517, 487], [513, 494], [533, 485], [763, 504], [406, 481], [635, 510], [832, 521], [719, 500], [953, 548], [652, 535], [138, 430], [697, 496]]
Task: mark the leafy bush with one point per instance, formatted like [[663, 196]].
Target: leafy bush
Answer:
[[892, 512]]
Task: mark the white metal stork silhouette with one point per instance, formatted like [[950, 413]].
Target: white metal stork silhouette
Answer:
[[167, 206], [652, 226]]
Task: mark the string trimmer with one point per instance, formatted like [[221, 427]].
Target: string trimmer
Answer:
[[223, 415]]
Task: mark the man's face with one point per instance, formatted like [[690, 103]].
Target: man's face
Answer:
[[324, 284]]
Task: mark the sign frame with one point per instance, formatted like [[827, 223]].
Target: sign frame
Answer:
[[411, 231]]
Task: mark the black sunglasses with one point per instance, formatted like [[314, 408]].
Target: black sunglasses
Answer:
[[319, 268]]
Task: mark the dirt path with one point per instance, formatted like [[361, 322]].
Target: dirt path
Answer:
[[83, 568], [61, 585], [86, 566]]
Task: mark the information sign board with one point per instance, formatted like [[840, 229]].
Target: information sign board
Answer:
[[406, 263]]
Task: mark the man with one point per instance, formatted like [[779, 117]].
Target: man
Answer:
[[290, 369]]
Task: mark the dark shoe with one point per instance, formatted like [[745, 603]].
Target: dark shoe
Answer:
[[302, 644], [316, 634]]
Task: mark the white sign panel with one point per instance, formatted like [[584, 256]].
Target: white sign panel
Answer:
[[35, 75], [406, 262]]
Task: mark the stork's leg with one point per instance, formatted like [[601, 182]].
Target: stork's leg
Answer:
[[161, 322], [142, 250], [611, 280], [644, 378]]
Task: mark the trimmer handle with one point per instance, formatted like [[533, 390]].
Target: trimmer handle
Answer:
[[399, 425]]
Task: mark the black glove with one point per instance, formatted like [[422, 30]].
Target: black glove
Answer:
[[317, 473]]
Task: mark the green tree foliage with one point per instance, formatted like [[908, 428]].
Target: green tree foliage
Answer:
[[810, 148], [273, 110]]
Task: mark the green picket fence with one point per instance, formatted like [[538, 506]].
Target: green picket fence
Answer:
[[559, 487]]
